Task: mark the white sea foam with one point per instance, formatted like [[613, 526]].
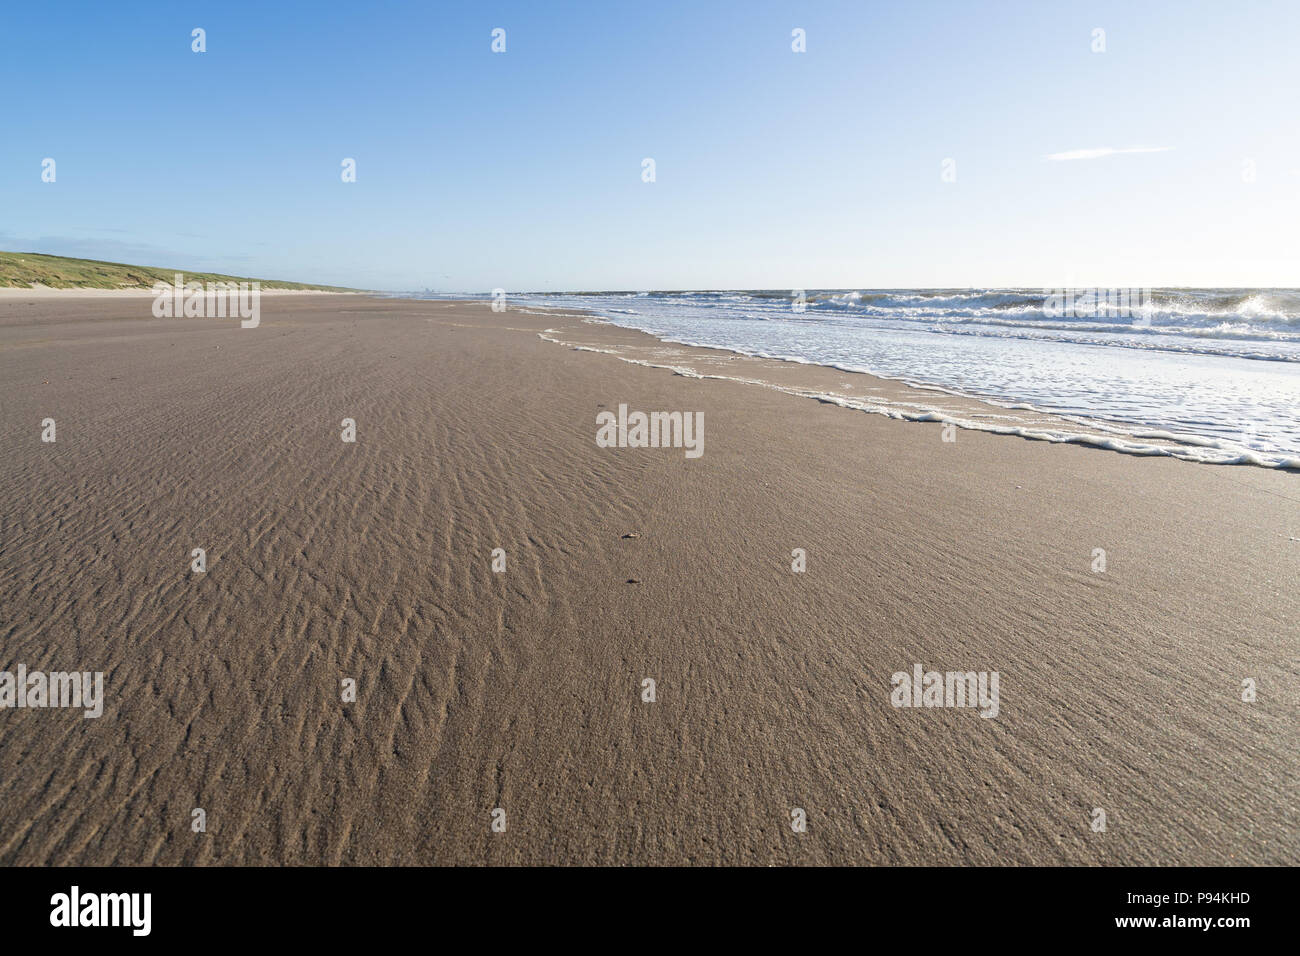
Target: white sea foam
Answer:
[[1093, 432], [1216, 372], [1201, 375]]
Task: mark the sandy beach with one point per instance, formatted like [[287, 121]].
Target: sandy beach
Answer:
[[522, 690]]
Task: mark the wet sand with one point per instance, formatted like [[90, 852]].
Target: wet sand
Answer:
[[522, 690]]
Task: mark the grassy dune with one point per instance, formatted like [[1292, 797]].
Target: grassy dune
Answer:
[[26, 269]]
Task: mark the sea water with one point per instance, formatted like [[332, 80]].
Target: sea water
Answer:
[[1218, 368]]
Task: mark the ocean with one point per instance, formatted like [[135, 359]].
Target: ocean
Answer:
[[1216, 369]]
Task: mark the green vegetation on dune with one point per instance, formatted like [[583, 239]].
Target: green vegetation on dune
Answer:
[[26, 269]]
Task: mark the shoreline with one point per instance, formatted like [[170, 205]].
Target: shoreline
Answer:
[[909, 404], [1117, 689]]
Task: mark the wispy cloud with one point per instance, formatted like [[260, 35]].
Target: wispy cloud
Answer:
[[1100, 151]]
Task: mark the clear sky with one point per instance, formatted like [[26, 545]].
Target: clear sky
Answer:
[[773, 169]]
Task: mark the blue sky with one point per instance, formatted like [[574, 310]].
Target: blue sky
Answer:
[[522, 170]]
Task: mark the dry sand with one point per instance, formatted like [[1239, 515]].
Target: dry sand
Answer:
[[522, 690]]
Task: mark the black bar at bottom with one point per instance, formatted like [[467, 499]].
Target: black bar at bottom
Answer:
[[644, 906]]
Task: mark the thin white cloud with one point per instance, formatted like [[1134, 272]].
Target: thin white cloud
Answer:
[[1100, 151]]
